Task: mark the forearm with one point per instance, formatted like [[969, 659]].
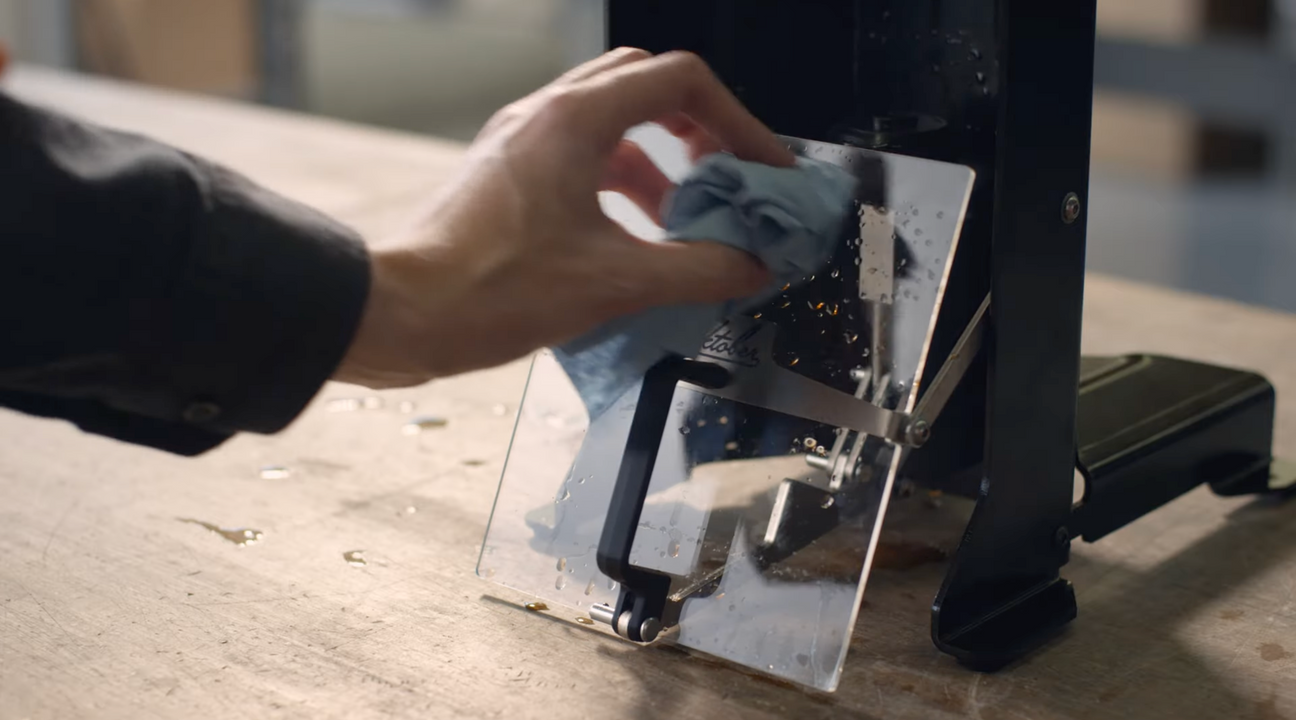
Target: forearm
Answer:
[[142, 285]]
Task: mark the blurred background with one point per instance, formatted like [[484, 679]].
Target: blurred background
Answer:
[[1194, 147]]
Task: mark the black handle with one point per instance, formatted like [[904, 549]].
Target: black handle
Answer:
[[644, 592]]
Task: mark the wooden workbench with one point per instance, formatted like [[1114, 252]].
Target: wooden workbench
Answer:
[[111, 606]]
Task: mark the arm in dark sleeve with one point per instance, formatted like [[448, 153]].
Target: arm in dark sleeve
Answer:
[[153, 297]]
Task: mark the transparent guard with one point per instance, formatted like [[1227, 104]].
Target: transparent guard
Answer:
[[765, 520]]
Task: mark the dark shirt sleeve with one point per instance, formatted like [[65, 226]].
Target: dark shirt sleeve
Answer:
[[156, 298]]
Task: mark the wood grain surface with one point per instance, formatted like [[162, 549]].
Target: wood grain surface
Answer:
[[113, 605]]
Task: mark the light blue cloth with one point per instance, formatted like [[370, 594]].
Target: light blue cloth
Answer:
[[789, 218]]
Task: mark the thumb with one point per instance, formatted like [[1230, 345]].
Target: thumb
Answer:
[[702, 272]]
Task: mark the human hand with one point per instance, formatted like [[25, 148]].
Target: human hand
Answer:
[[516, 253]]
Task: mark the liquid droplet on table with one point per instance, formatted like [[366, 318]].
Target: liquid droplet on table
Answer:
[[426, 422], [560, 583], [275, 472], [355, 558], [239, 536], [536, 606], [584, 621], [344, 405], [562, 564]]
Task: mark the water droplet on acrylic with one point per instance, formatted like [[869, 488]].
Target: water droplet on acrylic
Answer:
[[981, 78], [426, 422], [239, 536], [685, 430], [355, 558], [857, 261], [488, 573], [793, 362], [821, 451], [536, 606], [931, 274], [904, 261], [410, 509], [499, 410], [976, 54], [809, 443], [275, 472], [701, 423], [407, 406], [785, 287], [851, 337], [560, 583], [674, 549], [785, 304], [731, 446], [566, 495], [589, 589], [757, 316], [827, 502], [724, 420], [928, 242], [866, 352], [611, 584], [836, 273], [373, 402], [562, 564], [940, 215]]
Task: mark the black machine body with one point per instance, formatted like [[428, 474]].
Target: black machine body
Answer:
[[1004, 87]]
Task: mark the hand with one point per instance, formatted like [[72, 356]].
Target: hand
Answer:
[[516, 254]]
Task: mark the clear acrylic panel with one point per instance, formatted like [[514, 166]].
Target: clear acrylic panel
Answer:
[[763, 512]]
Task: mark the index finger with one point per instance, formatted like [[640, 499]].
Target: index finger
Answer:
[[680, 82]]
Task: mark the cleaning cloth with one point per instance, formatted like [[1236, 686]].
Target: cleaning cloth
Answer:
[[789, 218]]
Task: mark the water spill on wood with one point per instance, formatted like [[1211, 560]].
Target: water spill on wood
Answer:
[[238, 536]]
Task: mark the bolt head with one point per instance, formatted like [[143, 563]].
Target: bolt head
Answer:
[[649, 630], [1071, 208], [919, 433]]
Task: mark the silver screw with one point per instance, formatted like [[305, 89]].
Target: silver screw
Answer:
[[919, 433], [1070, 208]]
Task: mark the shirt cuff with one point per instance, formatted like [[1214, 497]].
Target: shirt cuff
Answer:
[[268, 304]]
